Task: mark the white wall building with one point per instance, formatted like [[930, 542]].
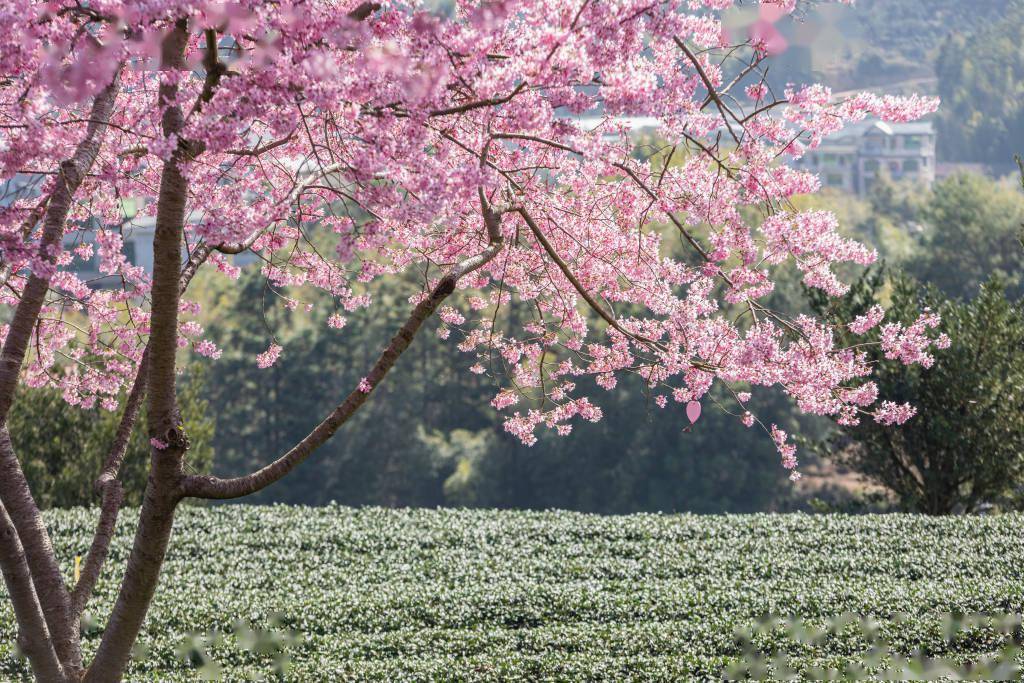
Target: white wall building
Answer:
[[854, 158]]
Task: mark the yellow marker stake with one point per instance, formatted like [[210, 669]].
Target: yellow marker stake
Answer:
[[78, 567]]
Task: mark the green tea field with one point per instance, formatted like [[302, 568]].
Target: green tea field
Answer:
[[379, 594]]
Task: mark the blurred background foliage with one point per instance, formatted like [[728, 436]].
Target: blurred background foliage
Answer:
[[62, 447]]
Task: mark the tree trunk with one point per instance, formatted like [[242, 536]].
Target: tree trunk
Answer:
[[50, 589], [30, 540], [156, 518], [33, 636]]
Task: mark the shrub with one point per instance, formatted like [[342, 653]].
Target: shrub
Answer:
[[965, 446]]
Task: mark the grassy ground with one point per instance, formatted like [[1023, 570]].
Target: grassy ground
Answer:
[[470, 595]]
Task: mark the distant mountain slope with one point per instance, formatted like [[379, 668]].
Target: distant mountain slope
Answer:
[[913, 30], [873, 42]]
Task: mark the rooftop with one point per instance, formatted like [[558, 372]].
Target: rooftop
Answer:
[[862, 128]]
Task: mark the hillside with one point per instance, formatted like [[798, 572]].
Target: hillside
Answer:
[[878, 42], [475, 595], [908, 33]]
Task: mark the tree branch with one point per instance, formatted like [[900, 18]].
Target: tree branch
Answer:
[[363, 11], [215, 70], [479, 104], [14, 490], [216, 488], [156, 518], [37, 549], [113, 496], [33, 636], [256, 151], [578, 286], [712, 92]]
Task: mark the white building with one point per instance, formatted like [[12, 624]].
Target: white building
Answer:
[[137, 237], [854, 158]]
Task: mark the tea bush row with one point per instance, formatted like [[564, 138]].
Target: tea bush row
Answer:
[[382, 594]]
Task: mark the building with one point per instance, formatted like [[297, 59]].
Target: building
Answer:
[[137, 238], [853, 159]]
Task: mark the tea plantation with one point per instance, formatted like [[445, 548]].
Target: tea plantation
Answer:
[[493, 596]]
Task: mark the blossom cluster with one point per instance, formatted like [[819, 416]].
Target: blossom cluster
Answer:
[[384, 127]]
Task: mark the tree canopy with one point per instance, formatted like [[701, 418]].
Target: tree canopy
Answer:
[[966, 447], [972, 229]]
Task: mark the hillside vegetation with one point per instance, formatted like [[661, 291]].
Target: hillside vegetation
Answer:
[[475, 595], [897, 40]]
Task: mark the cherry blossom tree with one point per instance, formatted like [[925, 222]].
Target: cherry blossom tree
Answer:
[[484, 146]]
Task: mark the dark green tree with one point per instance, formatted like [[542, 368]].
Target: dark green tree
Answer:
[[965, 446], [981, 83], [62, 447], [379, 458], [972, 227], [638, 458]]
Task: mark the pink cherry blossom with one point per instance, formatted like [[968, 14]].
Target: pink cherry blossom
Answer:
[[268, 357], [889, 413], [208, 348], [862, 323], [411, 142]]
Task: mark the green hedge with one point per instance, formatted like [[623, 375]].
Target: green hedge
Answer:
[[480, 595]]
